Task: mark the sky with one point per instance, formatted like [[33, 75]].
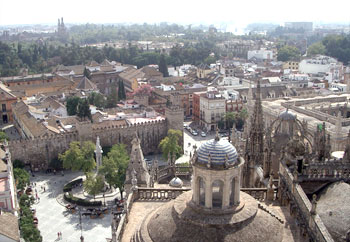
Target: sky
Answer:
[[233, 12]]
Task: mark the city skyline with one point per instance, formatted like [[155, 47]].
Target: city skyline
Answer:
[[182, 12]]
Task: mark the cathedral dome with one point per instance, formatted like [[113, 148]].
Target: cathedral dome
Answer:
[[217, 152], [287, 116]]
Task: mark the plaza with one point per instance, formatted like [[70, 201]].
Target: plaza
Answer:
[[53, 217]]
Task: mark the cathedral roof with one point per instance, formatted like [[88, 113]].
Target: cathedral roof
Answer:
[[217, 151], [178, 221]]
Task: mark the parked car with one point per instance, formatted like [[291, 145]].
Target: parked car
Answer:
[[203, 134], [194, 132]]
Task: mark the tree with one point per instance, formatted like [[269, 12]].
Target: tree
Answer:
[[72, 105], [18, 164], [93, 184], [97, 99], [114, 166], [316, 49], [26, 223], [3, 136], [170, 144], [112, 98], [288, 53], [121, 90], [163, 68], [230, 118], [338, 46], [83, 109], [78, 158], [87, 73], [21, 177]]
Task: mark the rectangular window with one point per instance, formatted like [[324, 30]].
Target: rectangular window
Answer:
[[3, 107]]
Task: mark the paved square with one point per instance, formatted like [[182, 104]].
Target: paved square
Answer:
[[53, 217]]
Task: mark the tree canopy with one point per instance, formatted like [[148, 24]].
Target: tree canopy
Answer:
[[163, 67], [78, 158], [93, 184], [170, 144], [112, 98], [288, 53], [114, 166], [83, 109], [72, 105], [3, 136], [338, 46], [121, 91], [316, 49], [97, 99], [29, 232], [22, 178]]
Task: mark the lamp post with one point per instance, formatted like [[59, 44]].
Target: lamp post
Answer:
[[81, 227]]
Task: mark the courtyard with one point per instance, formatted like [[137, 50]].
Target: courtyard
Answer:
[[53, 217]]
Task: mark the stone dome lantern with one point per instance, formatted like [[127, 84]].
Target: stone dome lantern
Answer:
[[215, 209], [216, 175]]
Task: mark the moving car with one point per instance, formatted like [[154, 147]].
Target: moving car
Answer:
[[203, 134]]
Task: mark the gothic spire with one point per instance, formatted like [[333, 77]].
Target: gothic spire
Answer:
[[255, 145]]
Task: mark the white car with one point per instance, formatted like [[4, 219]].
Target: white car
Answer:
[[194, 132], [203, 134]]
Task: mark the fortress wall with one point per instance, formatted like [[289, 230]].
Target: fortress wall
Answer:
[[40, 151]]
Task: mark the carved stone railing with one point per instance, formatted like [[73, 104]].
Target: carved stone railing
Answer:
[[167, 171], [117, 233], [317, 230], [151, 194]]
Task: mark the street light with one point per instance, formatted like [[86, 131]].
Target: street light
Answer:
[[81, 227]]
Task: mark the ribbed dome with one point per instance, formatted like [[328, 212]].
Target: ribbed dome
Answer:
[[286, 115], [218, 150]]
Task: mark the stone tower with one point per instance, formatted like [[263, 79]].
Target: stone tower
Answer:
[[175, 115], [254, 150], [137, 164], [84, 129], [98, 153]]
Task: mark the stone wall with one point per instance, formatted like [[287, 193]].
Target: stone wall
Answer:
[[40, 150]]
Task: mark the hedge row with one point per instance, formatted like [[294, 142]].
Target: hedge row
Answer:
[[81, 202], [69, 186]]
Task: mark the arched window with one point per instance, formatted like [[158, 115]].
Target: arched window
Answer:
[[201, 191], [232, 189], [217, 189]]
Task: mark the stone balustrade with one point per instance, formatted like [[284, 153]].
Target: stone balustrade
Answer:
[[149, 194], [315, 227]]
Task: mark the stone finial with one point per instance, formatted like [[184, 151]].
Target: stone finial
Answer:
[[226, 161], [313, 205], [217, 137], [134, 180], [209, 161], [295, 175]]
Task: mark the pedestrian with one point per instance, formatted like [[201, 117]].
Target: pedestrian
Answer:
[[61, 235], [44, 188], [58, 235]]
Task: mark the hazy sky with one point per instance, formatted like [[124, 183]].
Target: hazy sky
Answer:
[[236, 12]]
